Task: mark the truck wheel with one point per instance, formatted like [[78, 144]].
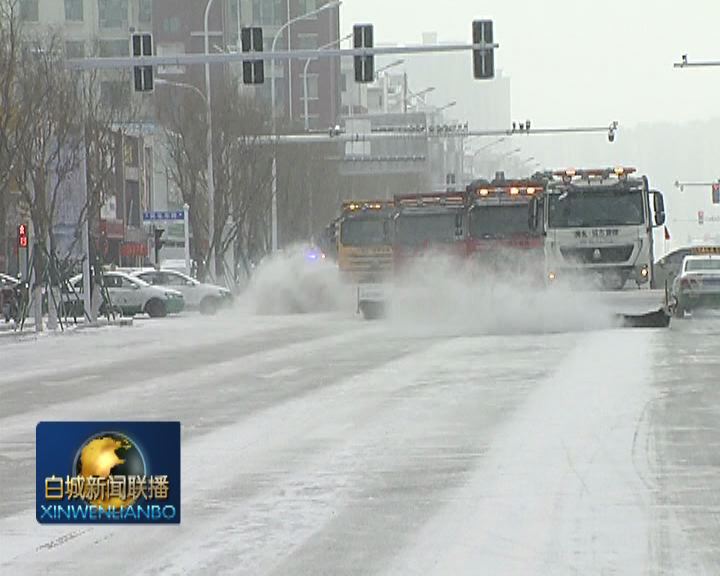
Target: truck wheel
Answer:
[[156, 308], [372, 310]]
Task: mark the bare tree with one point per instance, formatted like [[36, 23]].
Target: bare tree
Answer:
[[48, 139], [58, 144], [102, 117], [243, 173], [9, 50], [184, 139]]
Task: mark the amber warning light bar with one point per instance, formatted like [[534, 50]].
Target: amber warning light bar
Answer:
[[516, 190], [419, 200], [364, 206], [621, 172]]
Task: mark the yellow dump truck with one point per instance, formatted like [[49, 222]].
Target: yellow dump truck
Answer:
[[365, 255]]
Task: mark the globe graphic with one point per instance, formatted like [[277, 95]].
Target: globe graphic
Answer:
[[109, 454]]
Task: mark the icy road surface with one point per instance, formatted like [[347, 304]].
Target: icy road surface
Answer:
[[319, 444]]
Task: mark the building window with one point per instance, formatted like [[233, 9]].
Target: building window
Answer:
[[74, 10], [115, 93], [313, 86], [131, 152], [268, 12], [109, 48], [29, 10], [170, 49], [306, 6], [171, 25], [113, 14], [307, 41], [75, 49], [146, 10], [235, 11]]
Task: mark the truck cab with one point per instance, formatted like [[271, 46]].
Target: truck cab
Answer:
[[429, 224], [499, 236], [364, 241], [598, 226]]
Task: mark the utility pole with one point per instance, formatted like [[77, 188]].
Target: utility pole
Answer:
[[405, 92]]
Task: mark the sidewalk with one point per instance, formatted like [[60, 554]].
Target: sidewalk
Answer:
[[8, 329]]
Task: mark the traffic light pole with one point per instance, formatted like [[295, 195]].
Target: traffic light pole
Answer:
[[684, 63], [228, 58], [481, 47], [425, 132]]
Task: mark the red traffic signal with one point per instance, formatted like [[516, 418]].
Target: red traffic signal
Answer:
[[716, 193], [22, 236]]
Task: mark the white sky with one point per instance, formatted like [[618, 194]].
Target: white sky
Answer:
[[577, 61]]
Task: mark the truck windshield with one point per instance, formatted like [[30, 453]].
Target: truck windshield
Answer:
[[364, 232], [596, 207], [419, 229], [499, 221]]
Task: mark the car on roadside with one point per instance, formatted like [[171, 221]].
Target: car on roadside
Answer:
[[10, 292], [207, 298], [698, 284], [130, 295]]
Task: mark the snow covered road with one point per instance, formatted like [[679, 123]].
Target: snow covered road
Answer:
[[319, 444]]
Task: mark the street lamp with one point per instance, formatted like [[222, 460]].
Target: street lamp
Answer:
[[164, 82], [511, 152], [447, 106], [409, 94], [385, 86], [483, 148], [305, 74], [209, 145], [273, 209], [490, 145], [388, 66]]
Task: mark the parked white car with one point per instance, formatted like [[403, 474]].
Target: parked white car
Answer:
[[132, 295], [208, 298]]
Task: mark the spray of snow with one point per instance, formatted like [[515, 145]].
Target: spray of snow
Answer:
[[297, 281], [442, 296]]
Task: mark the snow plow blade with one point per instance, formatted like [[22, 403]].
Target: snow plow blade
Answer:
[[657, 319], [371, 300]]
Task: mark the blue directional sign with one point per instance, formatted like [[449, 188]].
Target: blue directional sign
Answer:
[[164, 216]]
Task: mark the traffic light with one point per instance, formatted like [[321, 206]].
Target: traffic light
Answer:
[[251, 39], [483, 59], [364, 65], [716, 193], [701, 217], [142, 45], [22, 236], [158, 232]]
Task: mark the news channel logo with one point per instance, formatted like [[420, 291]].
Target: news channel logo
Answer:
[[108, 472]]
